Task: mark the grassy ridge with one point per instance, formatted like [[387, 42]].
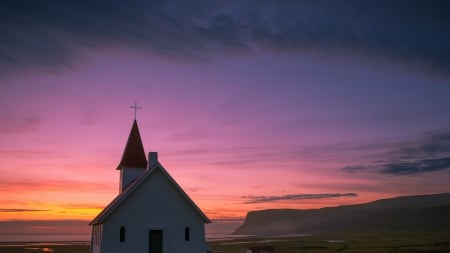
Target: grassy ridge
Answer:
[[420, 213]]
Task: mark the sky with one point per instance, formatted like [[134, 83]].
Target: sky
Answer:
[[250, 104]]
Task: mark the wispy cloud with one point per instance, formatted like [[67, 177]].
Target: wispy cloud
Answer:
[[30, 185], [264, 156], [194, 189], [31, 153], [54, 34], [10, 124], [427, 155], [354, 168], [290, 197], [20, 210]]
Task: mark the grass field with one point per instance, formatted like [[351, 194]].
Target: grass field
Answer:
[[436, 242]]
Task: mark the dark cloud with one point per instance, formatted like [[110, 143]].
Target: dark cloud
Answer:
[[432, 146], [54, 34], [266, 199], [427, 155], [353, 168], [20, 210], [416, 167]]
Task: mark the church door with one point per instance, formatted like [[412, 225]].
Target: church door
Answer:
[[155, 241]]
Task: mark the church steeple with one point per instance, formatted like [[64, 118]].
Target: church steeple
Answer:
[[133, 155], [134, 161]]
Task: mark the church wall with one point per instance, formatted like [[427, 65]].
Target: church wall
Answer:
[[155, 204], [96, 238]]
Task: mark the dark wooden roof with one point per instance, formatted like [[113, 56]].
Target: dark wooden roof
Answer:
[[133, 155]]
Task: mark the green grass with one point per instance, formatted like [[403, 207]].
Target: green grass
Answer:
[[407, 242]]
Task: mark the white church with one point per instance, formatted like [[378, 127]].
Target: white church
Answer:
[[151, 214]]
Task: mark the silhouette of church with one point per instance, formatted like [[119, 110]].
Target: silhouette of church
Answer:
[[151, 213]]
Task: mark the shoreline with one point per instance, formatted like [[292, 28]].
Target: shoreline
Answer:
[[43, 243]]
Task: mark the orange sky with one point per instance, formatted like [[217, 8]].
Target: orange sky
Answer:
[[53, 185]]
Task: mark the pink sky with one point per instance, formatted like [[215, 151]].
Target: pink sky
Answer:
[[239, 131], [221, 130]]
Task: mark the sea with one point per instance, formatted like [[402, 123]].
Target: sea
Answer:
[[4, 238], [11, 231], [44, 237], [217, 231]]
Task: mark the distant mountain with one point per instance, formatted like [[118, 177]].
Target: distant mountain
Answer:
[[423, 212]]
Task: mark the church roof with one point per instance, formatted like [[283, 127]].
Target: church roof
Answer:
[[133, 155], [120, 199]]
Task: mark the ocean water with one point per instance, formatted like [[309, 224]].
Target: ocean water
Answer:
[[219, 230], [71, 237], [45, 238], [76, 232]]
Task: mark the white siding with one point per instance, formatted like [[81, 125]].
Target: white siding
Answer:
[[155, 204], [96, 238]]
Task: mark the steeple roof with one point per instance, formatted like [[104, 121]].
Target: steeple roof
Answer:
[[133, 155]]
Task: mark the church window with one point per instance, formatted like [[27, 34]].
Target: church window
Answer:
[[122, 234], [186, 234]]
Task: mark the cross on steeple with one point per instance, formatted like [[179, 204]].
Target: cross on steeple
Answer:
[[135, 107]]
